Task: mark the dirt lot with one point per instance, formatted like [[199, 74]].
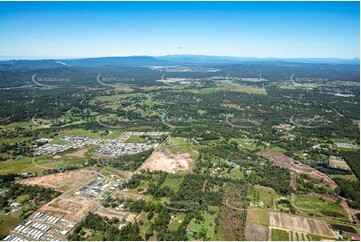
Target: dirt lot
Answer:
[[111, 213], [281, 160], [256, 232], [79, 153], [49, 181], [60, 181], [299, 223], [165, 160], [70, 208], [338, 162]]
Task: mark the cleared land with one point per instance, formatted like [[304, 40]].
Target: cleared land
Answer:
[[337, 162], [79, 153], [71, 208], [299, 223], [165, 160], [255, 232], [111, 213], [58, 181], [258, 216], [281, 160], [50, 181]]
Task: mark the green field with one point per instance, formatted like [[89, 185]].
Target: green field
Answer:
[[45, 162], [318, 206], [262, 195], [258, 216], [178, 140], [207, 225], [236, 174], [7, 223], [229, 85], [173, 182], [176, 221], [279, 235], [136, 139]]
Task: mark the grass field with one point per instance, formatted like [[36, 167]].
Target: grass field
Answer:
[[258, 216], [22, 198], [356, 122], [178, 140], [176, 221], [262, 195], [25, 164], [316, 205], [279, 235], [186, 148], [236, 174], [207, 90], [315, 237], [247, 143], [82, 132], [228, 85], [207, 225], [136, 139], [173, 182], [7, 223], [14, 166]]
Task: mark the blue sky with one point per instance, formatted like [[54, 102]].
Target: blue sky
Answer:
[[246, 29]]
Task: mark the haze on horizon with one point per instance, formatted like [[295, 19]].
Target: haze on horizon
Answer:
[[245, 29]]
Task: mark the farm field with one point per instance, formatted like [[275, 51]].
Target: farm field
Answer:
[[299, 223], [279, 235]]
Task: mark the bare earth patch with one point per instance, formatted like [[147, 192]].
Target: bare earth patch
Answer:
[[70, 208], [57, 156], [79, 153], [256, 232], [111, 213], [165, 160], [49, 181], [59, 181], [296, 167], [299, 223]]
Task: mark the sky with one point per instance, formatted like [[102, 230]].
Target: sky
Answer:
[[245, 29]]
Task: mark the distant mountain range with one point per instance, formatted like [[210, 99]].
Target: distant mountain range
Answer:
[[163, 60]]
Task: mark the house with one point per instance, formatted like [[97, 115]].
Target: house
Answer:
[[15, 204], [87, 234], [355, 237]]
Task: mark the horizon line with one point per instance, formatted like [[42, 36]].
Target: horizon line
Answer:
[[9, 58]]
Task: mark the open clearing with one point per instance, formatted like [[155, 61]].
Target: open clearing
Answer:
[[318, 206], [72, 208], [49, 181], [254, 232], [165, 160], [258, 216], [58, 181], [111, 213], [262, 196], [79, 153], [8, 222], [299, 223], [337, 162]]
